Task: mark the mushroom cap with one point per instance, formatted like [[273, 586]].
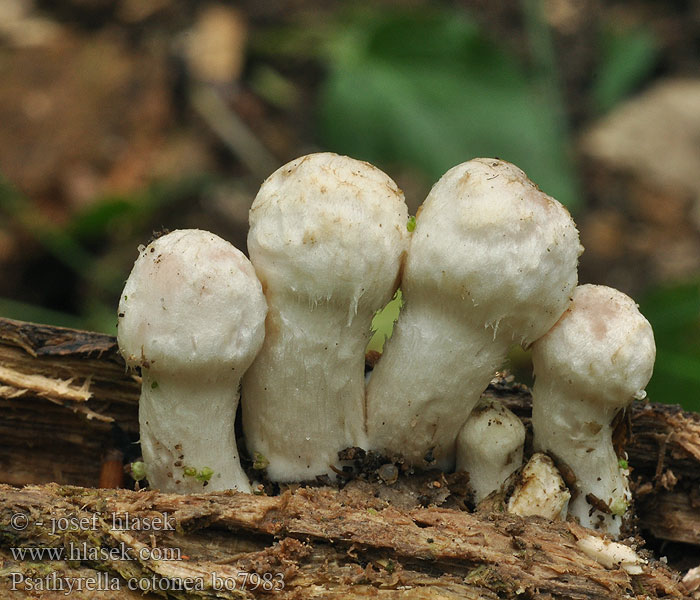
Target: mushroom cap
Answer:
[[331, 228], [498, 246], [192, 300], [601, 347], [492, 430]]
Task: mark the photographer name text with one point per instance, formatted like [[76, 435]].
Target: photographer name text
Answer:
[[119, 522]]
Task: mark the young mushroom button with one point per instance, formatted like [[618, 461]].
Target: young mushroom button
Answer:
[[490, 447], [192, 316], [593, 362], [327, 239], [492, 261]]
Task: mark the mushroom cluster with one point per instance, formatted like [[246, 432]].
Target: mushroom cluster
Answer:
[[489, 261]]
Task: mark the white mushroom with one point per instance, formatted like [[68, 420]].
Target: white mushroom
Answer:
[[691, 580], [192, 317], [490, 447], [540, 491], [612, 554], [593, 362], [492, 261], [327, 237]]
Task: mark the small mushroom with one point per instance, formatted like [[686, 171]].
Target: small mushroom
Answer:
[[588, 367], [691, 580], [490, 447], [492, 262], [612, 555], [192, 316], [327, 238]]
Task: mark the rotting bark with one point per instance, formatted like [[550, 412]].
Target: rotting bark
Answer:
[[63, 394], [68, 399], [316, 543]]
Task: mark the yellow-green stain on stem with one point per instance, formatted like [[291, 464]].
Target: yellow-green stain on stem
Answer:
[[138, 470]]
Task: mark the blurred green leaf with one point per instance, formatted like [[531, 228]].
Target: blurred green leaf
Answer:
[[290, 41], [52, 237], [134, 210], [95, 220], [674, 313], [273, 87], [98, 315], [627, 57], [428, 89]]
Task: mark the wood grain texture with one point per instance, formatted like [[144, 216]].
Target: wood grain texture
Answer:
[[323, 543], [68, 402]]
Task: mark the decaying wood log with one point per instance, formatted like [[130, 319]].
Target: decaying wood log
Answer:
[[67, 400], [309, 543], [64, 395]]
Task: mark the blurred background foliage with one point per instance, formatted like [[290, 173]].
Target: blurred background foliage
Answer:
[[120, 118], [429, 88]]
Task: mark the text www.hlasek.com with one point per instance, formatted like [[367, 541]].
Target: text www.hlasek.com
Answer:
[[87, 553], [241, 580], [84, 552]]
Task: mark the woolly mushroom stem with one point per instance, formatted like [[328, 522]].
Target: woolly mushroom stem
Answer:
[[581, 435], [430, 334], [302, 368], [184, 454]]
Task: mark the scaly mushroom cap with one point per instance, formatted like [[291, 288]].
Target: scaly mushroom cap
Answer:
[[486, 235], [602, 347], [192, 301], [329, 228]]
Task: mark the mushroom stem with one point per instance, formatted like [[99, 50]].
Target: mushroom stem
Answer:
[[428, 333], [337, 346], [581, 436], [182, 455]]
